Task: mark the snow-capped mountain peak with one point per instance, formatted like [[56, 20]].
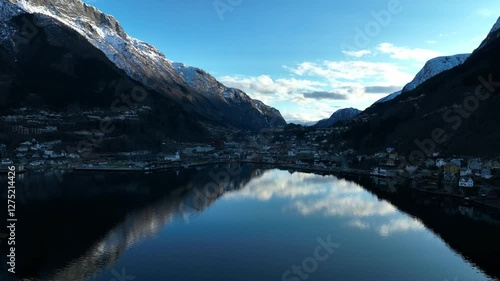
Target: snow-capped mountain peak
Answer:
[[105, 33], [141, 61], [431, 68], [496, 27], [434, 67], [492, 35], [440, 64], [338, 116]]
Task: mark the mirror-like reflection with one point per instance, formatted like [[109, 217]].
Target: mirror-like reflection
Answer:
[[244, 223]]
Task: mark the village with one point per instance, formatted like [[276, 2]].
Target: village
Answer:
[[41, 147]]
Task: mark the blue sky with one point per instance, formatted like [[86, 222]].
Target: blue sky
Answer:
[[308, 58]]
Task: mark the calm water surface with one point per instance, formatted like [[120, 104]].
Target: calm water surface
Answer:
[[245, 223]]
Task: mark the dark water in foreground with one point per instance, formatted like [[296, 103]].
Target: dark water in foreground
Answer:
[[244, 223]]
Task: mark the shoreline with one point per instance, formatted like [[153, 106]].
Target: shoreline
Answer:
[[283, 166]]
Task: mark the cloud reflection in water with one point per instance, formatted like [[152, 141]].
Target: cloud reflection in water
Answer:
[[311, 194]]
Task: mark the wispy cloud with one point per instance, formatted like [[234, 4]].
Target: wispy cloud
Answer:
[[447, 34], [405, 53], [328, 84], [353, 73], [325, 96], [329, 196], [381, 89], [357, 54], [265, 88]]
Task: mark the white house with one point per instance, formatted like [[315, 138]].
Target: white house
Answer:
[[7, 162], [37, 163], [291, 153], [204, 149], [198, 149], [268, 159], [320, 165], [36, 147], [22, 149], [466, 182], [411, 169], [232, 144], [175, 157], [379, 172], [465, 172], [457, 161], [440, 163], [74, 155]]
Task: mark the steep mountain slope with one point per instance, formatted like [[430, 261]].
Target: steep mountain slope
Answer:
[[492, 36], [338, 116], [431, 68], [455, 112], [43, 33], [389, 97]]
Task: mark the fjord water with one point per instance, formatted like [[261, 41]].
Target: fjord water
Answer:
[[245, 223]]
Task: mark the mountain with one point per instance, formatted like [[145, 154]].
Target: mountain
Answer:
[[142, 206], [389, 97], [454, 112], [431, 68], [67, 54], [303, 123], [338, 116], [493, 35]]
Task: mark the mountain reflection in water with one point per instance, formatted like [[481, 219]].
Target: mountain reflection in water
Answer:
[[79, 228]]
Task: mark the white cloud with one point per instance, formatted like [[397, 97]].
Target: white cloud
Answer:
[[431, 41], [264, 88], [279, 184], [310, 194], [357, 54], [359, 224], [447, 34], [303, 117], [405, 53], [347, 77], [400, 225], [311, 111]]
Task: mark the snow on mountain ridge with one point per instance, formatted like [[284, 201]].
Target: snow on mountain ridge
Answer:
[[207, 85], [496, 27], [431, 68], [140, 60], [494, 34], [434, 67], [338, 116], [389, 97], [105, 33]]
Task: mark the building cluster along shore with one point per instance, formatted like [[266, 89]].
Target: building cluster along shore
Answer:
[[467, 177]]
